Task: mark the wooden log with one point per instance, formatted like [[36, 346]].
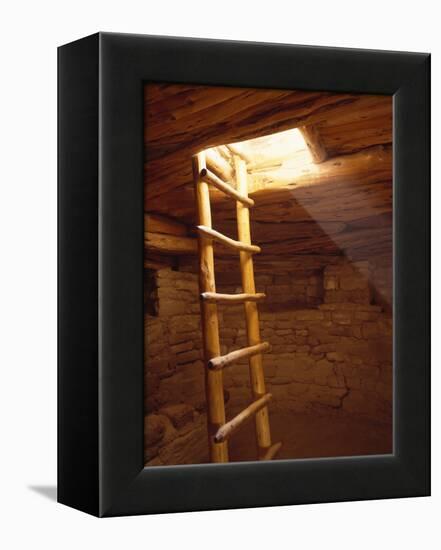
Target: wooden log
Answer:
[[330, 183], [169, 244], [232, 298], [228, 429], [225, 153], [155, 223], [157, 261], [271, 452], [179, 102], [210, 233], [244, 115], [237, 149], [251, 114], [371, 165], [226, 188], [217, 164], [214, 389], [236, 355], [314, 142], [263, 433]]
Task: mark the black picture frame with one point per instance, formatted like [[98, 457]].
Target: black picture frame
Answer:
[[100, 284]]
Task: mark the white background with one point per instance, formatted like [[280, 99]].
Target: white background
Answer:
[[30, 34]]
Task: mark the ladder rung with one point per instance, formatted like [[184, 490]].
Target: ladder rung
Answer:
[[272, 451], [238, 245], [232, 298], [222, 361], [230, 427], [227, 188]]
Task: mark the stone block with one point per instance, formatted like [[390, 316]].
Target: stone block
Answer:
[[341, 331], [330, 283], [336, 380], [190, 447], [362, 296], [353, 282], [303, 348], [179, 414], [322, 333], [267, 316], [188, 356], [263, 279], [322, 370], [331, 397], [162, 368], [284, 332], [342, 317], [324, 348], [366, 315], [154, 428], [335, 356], [370, 330], [282, 324], [385, 326], [183, 346], [272, 290], [178, 337], [185, 323], [193, 370], [280, 380], [154, 349], [309, 315], [190, 285], [226, 332], [270, 369]]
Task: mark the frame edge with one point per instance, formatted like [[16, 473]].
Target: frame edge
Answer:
[[78, 87]]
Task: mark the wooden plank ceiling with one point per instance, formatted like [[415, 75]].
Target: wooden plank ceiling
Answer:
[[339, 205]]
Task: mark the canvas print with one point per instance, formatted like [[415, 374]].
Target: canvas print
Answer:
[[268, 274]]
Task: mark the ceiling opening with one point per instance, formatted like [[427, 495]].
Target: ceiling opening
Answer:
[[288, 153]]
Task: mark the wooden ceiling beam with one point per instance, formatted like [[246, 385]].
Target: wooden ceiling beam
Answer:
[[314, 143]]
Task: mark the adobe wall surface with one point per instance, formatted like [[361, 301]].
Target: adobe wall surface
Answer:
[[331, 353]]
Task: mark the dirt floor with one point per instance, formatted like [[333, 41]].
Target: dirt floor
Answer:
[[308, 436]]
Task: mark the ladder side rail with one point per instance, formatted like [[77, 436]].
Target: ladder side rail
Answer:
[[263, 433], [210, 322]]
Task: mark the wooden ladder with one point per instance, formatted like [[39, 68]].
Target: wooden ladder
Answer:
[[219, 430]]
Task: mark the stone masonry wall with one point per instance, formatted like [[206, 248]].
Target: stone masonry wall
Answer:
[[334, 358], [174, 394], [331, 353]]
